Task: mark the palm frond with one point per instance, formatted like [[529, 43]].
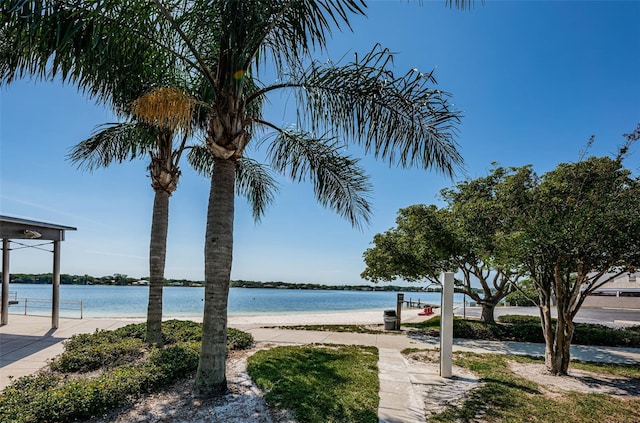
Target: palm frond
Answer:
[[255, 182], [253, 179], [404, 120], [338, 181], [296, 28], [114, 51], [201, 160], [113, 142]]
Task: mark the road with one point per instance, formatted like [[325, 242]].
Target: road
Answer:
[[604, 316]]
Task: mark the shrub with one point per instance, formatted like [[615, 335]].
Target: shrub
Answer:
[[52, 397], [238, 340], [88, 353], [476, 329], [181, 331], [517, 319]]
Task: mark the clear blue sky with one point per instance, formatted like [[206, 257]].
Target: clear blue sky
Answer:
[[534, 81]]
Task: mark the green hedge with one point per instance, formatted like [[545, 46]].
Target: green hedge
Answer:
[[529, 329]]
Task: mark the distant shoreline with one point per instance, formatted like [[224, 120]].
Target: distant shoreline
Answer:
[[78, 281]]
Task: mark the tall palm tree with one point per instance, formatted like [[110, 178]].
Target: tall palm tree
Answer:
[[133, 139], [403, 119], [139, 139]]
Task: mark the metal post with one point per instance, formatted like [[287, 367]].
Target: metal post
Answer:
[[5, 282], [399, 310], [464, 306], [55, 306], [446, 325]]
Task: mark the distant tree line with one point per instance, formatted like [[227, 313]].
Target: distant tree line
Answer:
[[124, 280]]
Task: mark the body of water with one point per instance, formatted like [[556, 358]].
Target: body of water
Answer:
[[131, 301]]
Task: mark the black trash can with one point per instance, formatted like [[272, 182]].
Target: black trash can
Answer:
[[390, 319]]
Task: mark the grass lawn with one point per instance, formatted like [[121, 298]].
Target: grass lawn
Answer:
[[508, 398], [320, 384]]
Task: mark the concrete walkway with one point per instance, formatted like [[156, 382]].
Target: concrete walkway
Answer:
[[27, 343]]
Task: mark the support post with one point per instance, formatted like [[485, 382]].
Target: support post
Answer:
[[399, 310], [464, 306], [55, 303], [5, 282], [446, 325]]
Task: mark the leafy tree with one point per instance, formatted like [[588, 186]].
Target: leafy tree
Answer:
[[428, 241], [573, 229], [228, 45], [524, 295]]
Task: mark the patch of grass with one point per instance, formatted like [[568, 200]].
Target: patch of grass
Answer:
[[320, 384], [122, 367], [508, 398], [335, 328]]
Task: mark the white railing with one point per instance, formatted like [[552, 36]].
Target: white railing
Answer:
[[39, 306]]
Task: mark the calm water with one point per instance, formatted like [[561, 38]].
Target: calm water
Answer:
[[131, 301]]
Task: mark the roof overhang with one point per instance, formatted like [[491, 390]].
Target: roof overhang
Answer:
[[17, 228]]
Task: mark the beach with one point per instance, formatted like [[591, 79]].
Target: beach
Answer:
[[28, 342], [368, 317]]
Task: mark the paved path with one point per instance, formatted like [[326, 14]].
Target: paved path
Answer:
[[27, 343]]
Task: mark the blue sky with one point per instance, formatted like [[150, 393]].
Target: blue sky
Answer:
[[534, 80]]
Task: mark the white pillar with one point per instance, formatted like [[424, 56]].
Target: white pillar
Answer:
[[5, 282], [446, 325], [55, 283]]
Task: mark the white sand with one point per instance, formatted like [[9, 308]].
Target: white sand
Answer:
[[349, 317]]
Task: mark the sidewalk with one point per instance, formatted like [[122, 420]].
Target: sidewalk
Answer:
[[28, 342]]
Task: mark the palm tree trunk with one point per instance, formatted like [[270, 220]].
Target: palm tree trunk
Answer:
[[157, 254], [211, 376]]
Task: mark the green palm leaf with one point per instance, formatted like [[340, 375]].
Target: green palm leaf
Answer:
[[114, 142], [338, 181], [402, 120], [254, 180]]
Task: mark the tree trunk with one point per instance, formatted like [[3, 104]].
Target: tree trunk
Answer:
[[487, 313], [547, 330], [157, 254], [562, 344], [211, 377]]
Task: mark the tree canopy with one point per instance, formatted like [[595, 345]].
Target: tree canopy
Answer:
[[462, 236], [572, 230]]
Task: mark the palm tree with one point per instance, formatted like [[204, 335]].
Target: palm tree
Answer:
[[138, 139], [133, 139], [403, 119]]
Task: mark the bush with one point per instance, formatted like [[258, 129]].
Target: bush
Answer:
[[592, 334], [517, 319], [529, 329], [238, 340], [88, 353], [181, 331], [476, 329], [51, 396]]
